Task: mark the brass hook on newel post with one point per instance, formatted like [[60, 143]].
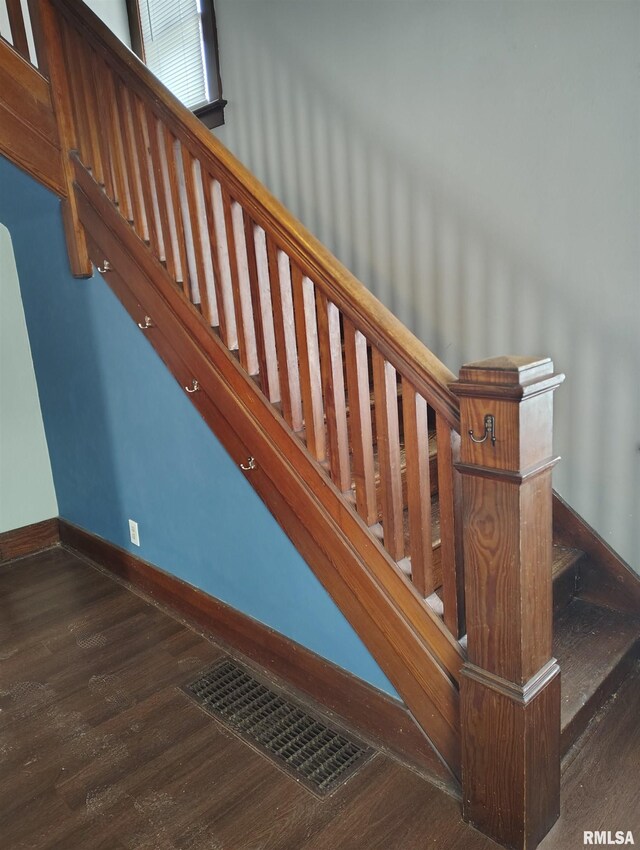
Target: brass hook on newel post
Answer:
[[489, 430]]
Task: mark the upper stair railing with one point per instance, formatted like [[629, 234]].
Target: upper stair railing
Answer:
[[315, 340]]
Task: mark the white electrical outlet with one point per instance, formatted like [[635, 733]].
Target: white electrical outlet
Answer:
[[133, 532]]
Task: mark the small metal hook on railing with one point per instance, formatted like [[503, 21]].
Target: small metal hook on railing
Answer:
[[194, 388], [489, 431], [105, 267], [147, 323], [250, 464]]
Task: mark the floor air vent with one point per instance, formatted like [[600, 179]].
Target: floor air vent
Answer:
[[304, 746]]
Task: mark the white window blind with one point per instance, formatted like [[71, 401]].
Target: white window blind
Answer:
[[171, 33]]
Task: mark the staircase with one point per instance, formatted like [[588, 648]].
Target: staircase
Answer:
[[438, 545]]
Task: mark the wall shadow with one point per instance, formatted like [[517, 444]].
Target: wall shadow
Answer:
[[452, 279]]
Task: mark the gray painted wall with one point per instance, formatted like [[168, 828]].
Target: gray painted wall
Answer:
[[26, 484], [477, 165]]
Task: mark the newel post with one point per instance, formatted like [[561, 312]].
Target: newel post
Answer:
[[510, 684]]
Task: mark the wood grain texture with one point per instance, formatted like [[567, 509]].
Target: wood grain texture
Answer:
[[18, 29], [403, 634], [359, 592], [596, 648], [125, 760], [38, 37], [511, 762], [285, 335], [167, 152], [388, 443], [28, 132], [61, 96], [197, 237], [306, 325], [133, 167], [510, 688], [332, 374], [28, 539], [606, 579], [416, 441], [353, 300], [360, 423], [161, 195], [364, 708], [452, 549]]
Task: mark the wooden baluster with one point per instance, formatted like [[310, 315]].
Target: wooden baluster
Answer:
[[224, 299], [224, 265], [167, 153], [239, 301], [510, 684], [131, 160], [285, 335], [160, 195], [249, 310], [89, 103], [193, 289], [260, 306], [449, 497], [61, 76], [38, 36], [309, 362], [416, 444], [140, 135], [155, 188], [18, 29], [388, 441], [272, 381], [82, 141], [97, 92], [194, 220], [359, 396], [332, 372], [120, 177]]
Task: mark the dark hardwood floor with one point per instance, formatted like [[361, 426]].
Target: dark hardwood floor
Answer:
[[100, 749]]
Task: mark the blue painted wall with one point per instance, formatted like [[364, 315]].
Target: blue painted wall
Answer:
[[125, 442]]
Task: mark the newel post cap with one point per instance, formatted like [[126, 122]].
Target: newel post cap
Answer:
[[507, 377]]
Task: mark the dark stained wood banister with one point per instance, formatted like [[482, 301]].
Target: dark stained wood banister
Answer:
[[190, 201], [400, 347]]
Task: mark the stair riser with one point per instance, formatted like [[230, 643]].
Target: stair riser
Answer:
[[609, 686], [564, 589]]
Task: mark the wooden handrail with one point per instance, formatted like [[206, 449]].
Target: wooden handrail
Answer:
[[278, 298], [400, 347], [357, 411]]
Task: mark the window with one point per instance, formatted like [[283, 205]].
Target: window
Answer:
[[177, 40]]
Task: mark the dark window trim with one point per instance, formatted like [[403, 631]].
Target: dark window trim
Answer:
[[212, 113]]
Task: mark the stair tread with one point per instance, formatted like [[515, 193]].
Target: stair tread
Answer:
[[433, 450], [564, 558], [590, 643]]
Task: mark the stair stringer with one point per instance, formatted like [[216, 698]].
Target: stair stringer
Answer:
[[604, 577], [409, 642]]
